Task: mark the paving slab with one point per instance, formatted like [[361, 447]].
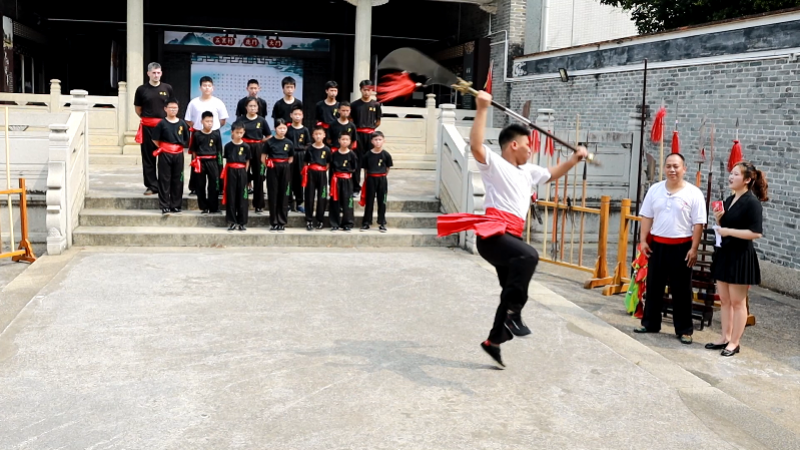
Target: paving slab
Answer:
[[329, 349]]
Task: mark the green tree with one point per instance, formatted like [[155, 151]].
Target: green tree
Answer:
[[658, 15]]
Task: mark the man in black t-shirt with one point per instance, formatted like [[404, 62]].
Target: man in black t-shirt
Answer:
[[253, 89], [366, 115], [327, 111], [149, 102]]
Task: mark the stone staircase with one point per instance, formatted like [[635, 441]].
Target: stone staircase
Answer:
[[135, 220]]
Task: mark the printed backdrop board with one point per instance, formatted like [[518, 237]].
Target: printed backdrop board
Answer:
[[231, 72]]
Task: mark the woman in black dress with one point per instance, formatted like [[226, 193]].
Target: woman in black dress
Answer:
[[735, 264]]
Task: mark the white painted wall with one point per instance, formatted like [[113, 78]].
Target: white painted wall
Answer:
[[578, 22]]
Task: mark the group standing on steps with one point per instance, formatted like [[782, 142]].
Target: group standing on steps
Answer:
[[306, 171]]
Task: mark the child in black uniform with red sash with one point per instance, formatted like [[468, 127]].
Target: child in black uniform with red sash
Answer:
[[278, 159], [343, 165], [237, 161], [341, 126], [315, 178], [206, 145], [256, 132], [366, 114], [301, 138], [376, 164], [171, 135]]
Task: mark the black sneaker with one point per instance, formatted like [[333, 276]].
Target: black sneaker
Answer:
[[242, 228], [249, 191], [164, 211], [320, 226], [309, 227], [232, 227], [205, 211], [494, 352], [175, 210], [382, 229], [149, 192], [259, 210], [273, 228], [334, 229], [281, 227], [347, 229], [192, 194], [365, 227], [517, 326]]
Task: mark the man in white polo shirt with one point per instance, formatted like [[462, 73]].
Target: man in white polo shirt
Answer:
[[509, 180], [673, 215]]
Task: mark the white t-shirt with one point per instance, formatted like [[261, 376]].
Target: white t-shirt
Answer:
[[196, 108], [508, 187], [674, 215]]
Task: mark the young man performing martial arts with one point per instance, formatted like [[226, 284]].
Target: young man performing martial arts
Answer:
[[673, 215], [509, 180], [206, 147]]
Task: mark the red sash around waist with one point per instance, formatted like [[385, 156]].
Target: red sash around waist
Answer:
[[272, 161], [323, 125], [314, 167], [671, 241], [251, 141], [191, 138], [335, 185], [166, 147], [224, 177], [197, 165], [493, 223], [365, 130], [149, 122], [363, 200]]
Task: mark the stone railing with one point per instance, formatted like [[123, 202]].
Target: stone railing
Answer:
[[411, 132], [67, 174]]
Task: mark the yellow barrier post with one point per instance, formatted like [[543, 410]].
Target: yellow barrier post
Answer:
[[600, 275]]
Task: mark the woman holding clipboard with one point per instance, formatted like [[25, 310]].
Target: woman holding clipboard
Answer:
[[735, 264]]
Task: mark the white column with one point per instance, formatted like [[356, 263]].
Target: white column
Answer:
[[363, 39], [135, 65]]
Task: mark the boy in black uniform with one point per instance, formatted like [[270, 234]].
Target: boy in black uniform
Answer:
[[278, 159], [252, 92], [283, 108], [300, 138], [149, 101], [366, 114], [376, 164], [315, 178], [341, 126], [237, 160], [343, 165], [256, 133], [327, 110], [171, 135], [206, 146]]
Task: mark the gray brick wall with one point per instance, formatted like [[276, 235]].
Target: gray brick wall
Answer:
[[764, 95]]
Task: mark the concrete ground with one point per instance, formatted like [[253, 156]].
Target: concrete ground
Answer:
[[336, 349]]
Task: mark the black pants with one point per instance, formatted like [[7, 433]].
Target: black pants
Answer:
[[515, 261], [364, 145], [236, 196], [170, 180], [207, 185], [257, 175], [297, 177], [278, 191], [376, 187], [194, 178], [667, 266], [317, 187], [148, 160], [341, 214]]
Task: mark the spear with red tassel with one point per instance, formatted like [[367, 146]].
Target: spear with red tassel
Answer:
[[736, 150], [409, 61], [657, 135]]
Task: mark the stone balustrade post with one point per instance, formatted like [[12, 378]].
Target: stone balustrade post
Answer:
[[447, 115], [55, 96], [80, 103], [58, 237], [431, 124], [122, 110]]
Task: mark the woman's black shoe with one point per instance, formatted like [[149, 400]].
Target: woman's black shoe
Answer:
[[713, 346], [727, 352]]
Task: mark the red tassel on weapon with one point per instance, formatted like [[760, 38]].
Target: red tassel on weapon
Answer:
[[396, 85], [549, 147], [657, 133], [488, 86], [535, 142], [735, 156], [676, 143]]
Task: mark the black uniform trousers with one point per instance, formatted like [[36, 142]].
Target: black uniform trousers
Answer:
[[364, 145], [341, 214], [170, 180], [278, 191], [257, 175], [236, 196], [207, 185], [376, 187], [297, 177], [194, 179], [667, 266], [148, 160], [515, 261], [317, 187]]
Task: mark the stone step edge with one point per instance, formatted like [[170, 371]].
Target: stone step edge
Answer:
[[255, 230], [156, 213]]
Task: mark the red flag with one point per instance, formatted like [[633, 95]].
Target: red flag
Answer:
[[488, 86], [735, 156], [676, 143], [657, 133]]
